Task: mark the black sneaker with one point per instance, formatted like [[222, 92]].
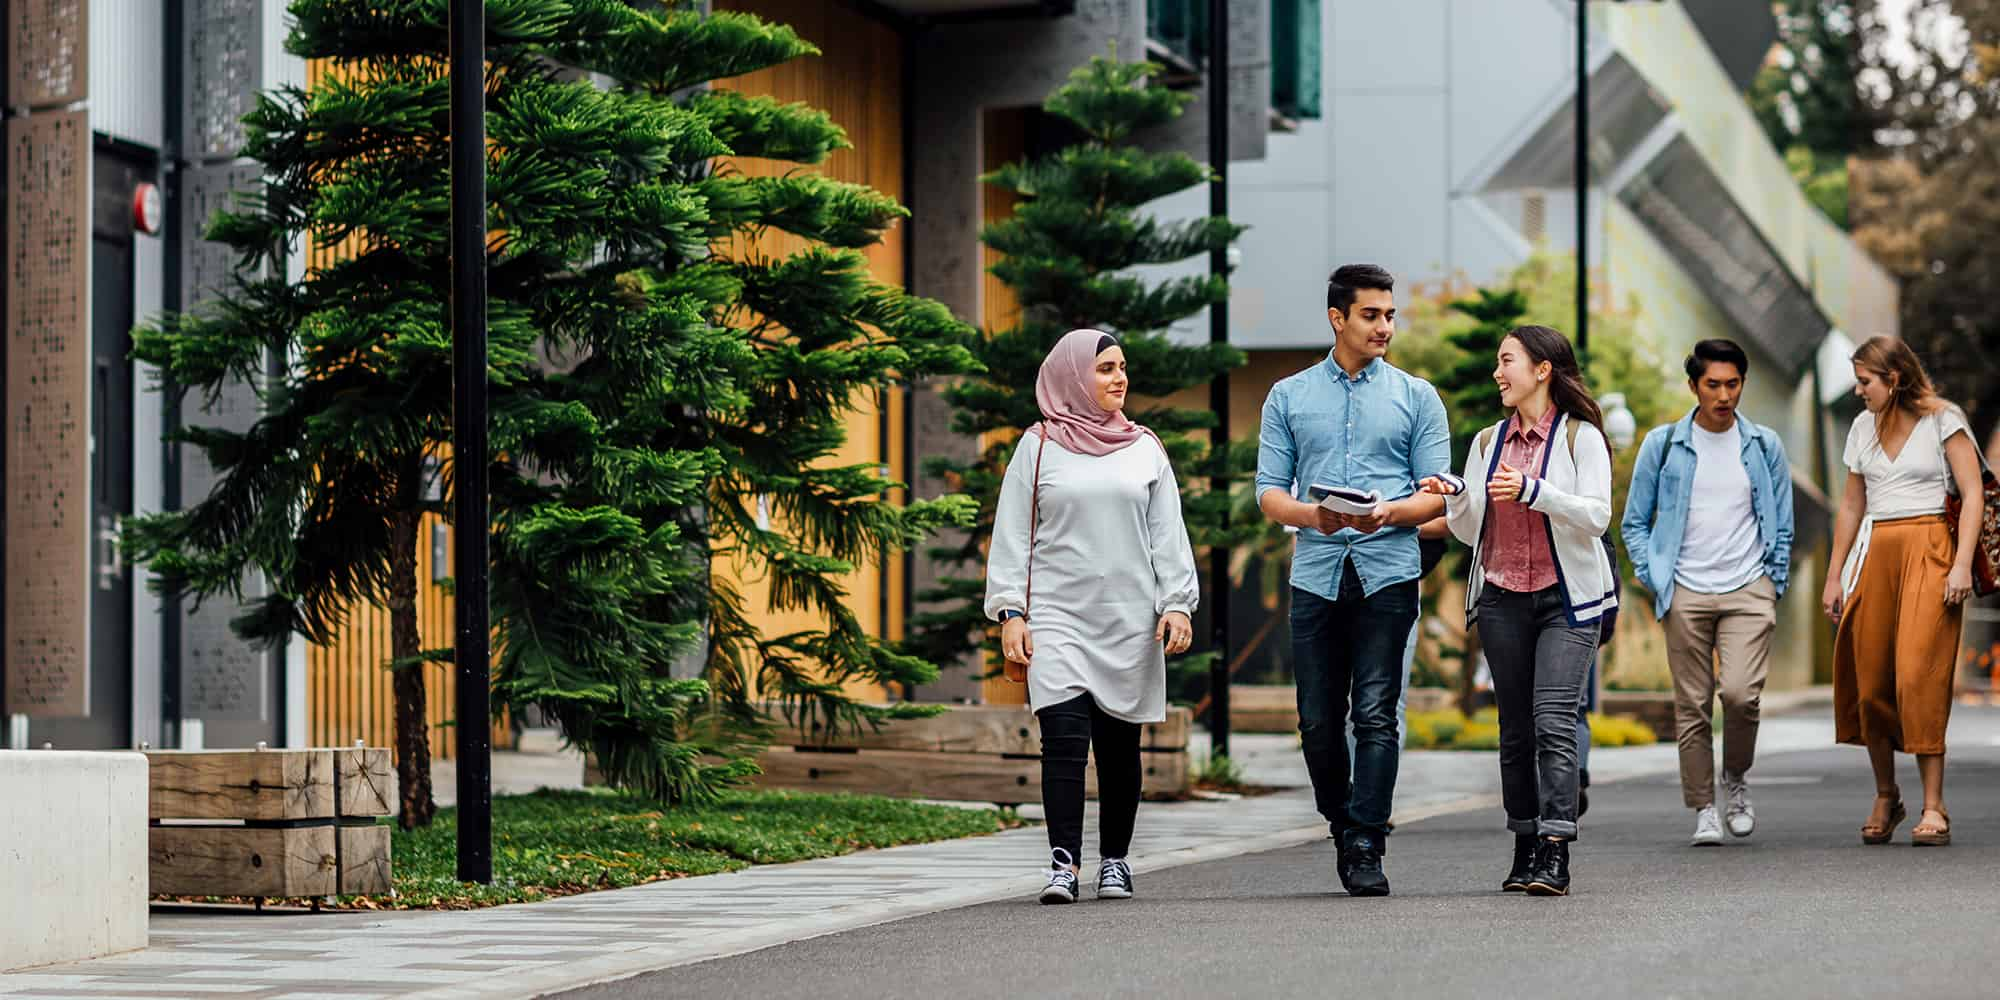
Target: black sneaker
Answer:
[[1524, 864], [1062, 879], [1551, 874], [1114, 879], [1361, 866]]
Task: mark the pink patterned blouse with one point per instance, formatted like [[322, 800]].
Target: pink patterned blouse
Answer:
[[1517, 555]]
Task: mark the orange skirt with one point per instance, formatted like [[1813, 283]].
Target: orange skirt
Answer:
[[1897, 647]]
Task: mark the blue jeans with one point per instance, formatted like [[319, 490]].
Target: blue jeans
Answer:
[[1349, 652], [1403, 699]]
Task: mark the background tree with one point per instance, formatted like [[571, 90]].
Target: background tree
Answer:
[[1812, 99], [1929, 209], [654, 371], [1077, 233]]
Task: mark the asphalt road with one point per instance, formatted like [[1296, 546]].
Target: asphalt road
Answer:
[[1802, 909]]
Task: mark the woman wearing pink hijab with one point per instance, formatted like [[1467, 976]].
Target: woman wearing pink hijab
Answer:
[[1093, 581]]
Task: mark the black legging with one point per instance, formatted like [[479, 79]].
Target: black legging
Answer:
[[1069, 730]]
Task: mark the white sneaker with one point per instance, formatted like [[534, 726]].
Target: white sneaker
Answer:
[[1707, 828], [1742, 818]]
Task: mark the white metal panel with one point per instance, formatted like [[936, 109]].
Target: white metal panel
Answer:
[[127, 66], [1390, 194], [148, 489], [1386, 47], [1278, 295], [1486, 240], [1507, 62]]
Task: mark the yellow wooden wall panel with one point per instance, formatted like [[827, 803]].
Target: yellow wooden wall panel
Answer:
[[858, 81], [350, 693], [1003, 140]]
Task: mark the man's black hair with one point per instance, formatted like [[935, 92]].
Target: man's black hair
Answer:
[[1716, 351], [1350, 278]]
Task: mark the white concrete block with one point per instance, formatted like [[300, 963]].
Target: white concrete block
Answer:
[[72, 855]]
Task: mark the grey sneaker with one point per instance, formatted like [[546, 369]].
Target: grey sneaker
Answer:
[[1742, 818], [1707, 828], [1114, 879], [1062, 879]]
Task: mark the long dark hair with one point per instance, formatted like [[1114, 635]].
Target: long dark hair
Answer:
[[1566, 388]]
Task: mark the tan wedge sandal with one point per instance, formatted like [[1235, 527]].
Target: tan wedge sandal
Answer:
[[1872, 834], [1924, 835]]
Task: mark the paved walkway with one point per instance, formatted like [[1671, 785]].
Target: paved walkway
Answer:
[[528, 949], [1801, 909]]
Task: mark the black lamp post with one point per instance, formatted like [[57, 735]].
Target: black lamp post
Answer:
[[1218, 392], [1582, 177], [471, 652]]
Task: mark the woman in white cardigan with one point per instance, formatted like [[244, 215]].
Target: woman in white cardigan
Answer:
[[1534, 505], [1093, 581]]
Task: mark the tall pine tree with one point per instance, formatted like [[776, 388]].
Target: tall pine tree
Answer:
[[1077, 233], [666, 395]]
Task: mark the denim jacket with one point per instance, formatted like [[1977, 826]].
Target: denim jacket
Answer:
[[1656, 508]]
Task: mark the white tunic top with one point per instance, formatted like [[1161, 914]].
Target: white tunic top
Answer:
[[1913, 484], [1111, 556], [1721, 551]]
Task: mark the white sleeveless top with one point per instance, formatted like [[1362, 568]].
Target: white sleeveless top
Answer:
[[1913, 484]]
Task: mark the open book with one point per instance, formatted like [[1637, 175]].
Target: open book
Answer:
[[1342, 500]]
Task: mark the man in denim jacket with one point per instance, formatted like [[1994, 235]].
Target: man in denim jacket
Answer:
[[1708, 525]]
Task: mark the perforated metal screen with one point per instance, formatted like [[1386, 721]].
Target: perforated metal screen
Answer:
[[47, 410]]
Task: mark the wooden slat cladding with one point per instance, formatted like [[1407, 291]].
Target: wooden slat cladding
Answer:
[[349, 690], [1003, 140], [858, 81]]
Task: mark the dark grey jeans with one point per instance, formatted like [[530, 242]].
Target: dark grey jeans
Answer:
[[1540, 664]]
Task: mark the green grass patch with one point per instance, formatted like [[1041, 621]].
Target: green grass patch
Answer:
[[559, 843]]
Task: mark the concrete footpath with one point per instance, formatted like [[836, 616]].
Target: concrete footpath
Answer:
[[536, 948]]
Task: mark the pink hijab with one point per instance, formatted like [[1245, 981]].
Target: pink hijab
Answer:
[[1067, 392]]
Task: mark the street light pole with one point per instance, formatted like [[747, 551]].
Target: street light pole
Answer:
[[1218, 391], [1582, 178], [470, 656]]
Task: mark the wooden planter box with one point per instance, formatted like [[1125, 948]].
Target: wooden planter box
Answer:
[[970, 753], [269, 823]]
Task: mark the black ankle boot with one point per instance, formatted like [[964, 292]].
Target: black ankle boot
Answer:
[[1361, 865], [1551, 874], [1524, 864]]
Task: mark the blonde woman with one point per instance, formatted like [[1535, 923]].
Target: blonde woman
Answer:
[[1900, 596], [1093, 581]]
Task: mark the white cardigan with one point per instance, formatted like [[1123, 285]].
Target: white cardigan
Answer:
[[1573, 488]]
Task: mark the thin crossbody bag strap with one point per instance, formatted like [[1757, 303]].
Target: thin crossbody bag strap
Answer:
[[1034, 515]]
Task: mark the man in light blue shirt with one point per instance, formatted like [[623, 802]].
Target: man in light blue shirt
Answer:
[[1708, 524], [1353, 421]]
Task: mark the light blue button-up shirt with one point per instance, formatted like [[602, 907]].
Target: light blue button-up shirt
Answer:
[[1663, 484], [1381, 430]]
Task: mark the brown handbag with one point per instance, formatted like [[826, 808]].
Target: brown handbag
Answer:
[[1986, 556]]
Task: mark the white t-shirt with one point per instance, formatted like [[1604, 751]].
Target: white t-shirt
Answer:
[[1721, 551], [1914, 483]]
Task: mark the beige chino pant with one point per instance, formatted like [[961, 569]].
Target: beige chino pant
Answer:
[[1727, 634]]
